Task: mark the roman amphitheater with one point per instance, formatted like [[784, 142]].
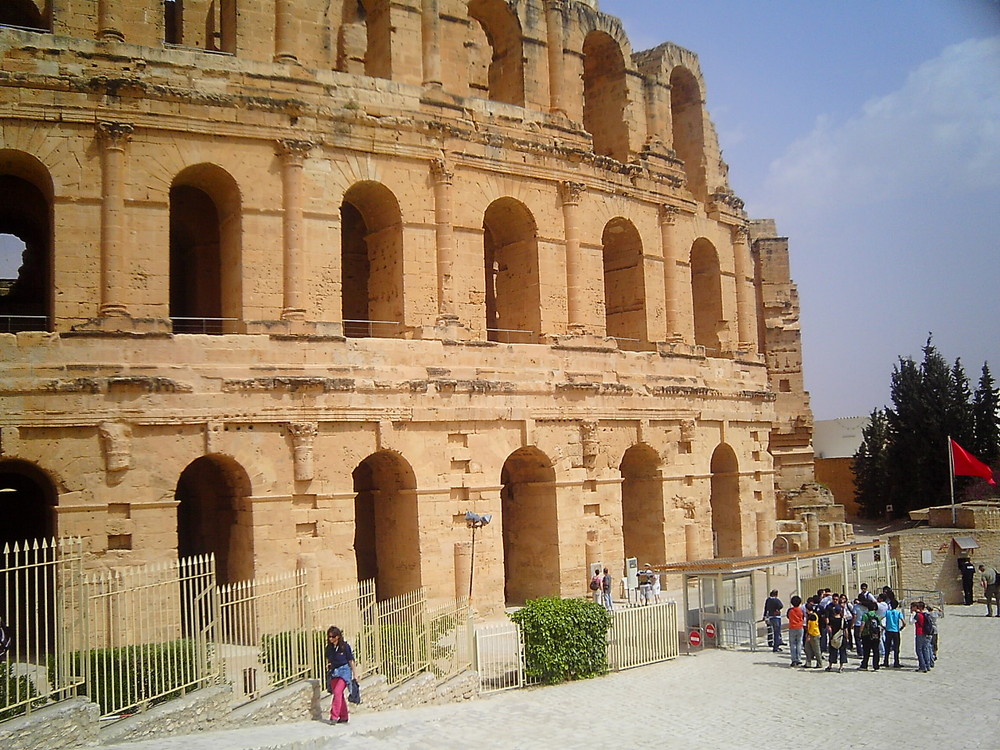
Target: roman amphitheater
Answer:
[[301, 282]]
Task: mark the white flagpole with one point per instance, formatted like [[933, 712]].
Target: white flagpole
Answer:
[[951, 480]]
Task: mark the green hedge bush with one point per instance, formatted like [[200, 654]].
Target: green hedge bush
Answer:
[[13, 689], [564, 639], [123, 678]]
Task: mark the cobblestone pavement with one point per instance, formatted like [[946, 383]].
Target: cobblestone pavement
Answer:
[[714, 699]]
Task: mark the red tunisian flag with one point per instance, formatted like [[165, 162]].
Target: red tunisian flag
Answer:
[[967, 465]]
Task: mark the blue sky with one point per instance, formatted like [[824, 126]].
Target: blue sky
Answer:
[[871, 132]]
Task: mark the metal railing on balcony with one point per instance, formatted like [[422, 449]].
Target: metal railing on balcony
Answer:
[[371, 329], [212, 326], [511, 336], [20, 323]]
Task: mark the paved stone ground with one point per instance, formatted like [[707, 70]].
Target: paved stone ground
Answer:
[[714, 699]]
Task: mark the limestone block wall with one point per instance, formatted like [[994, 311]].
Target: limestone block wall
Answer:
[[941, 573], [303, 282]]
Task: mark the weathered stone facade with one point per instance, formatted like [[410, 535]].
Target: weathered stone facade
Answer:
[[305, 281]]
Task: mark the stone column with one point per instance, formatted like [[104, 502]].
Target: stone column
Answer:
[[554, 14], [430, 28], [746, 303], [442, 176], [812, 530], [293, 154], [284, 31], [113, 136], [569, 194], [108, 23], [672, 283]]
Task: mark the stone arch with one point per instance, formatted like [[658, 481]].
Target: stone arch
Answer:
[[642, 505], [727, 529], [501, 76], [530, 526], [371, 231], [214, 515], [624, 284], [510, 252], [386, 531], [26, 14], [706, 295], [26, 253], [206, 279], [605, 95], [28, 500], [688, 125]]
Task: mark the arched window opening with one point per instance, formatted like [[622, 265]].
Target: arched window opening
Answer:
[[496, 67], [205, 258], [706, 292], [642, 505], [215, 31], [25, 245], [214, 516], [386, 530], [352, 38], [686, 111], [27, 504], [510, 251], [530, 527], [377, 18], [372, 262], [25, 14], [727, 530], [173, 21], [624, 284], [605, 96]]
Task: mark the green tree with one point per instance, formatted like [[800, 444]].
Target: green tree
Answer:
[[986, 419], [869, 465], [904, 461]]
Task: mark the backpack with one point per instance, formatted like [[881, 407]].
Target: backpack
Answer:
[[595, 583], [872, 628], [930, 627]]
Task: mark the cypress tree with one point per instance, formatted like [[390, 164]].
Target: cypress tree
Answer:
[[986, 419], [869, 466]]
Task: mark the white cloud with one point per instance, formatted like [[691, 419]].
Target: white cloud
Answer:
[[939, 131]]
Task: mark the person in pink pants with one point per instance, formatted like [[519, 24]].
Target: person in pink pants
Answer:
[[341, 669]]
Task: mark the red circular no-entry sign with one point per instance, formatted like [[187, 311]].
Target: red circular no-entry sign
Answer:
[[694, 638], [710, 630]]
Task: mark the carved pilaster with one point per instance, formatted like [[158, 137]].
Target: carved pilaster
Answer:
[[10, 441], [116, 440], [590, 443], [114, 134], [442, 171], [293, 150], [113, 137], [213, 437], [570, 193], [442, 175], [293, 154], [688, 427], [303, 435], [667, 214]]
